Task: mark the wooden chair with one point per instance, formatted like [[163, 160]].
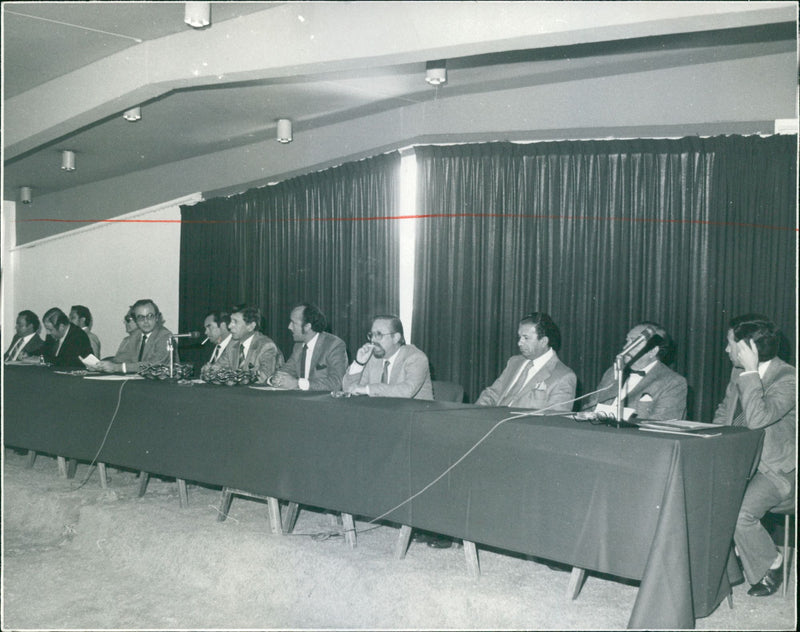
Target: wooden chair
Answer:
[[144, 478], [787, 510], [272, 505]]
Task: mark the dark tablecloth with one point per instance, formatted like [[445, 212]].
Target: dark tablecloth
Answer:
[[653, 507]]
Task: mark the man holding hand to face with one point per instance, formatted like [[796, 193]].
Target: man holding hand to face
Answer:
[[388, 367], [762, 393]]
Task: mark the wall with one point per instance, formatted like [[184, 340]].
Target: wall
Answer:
[[105, 266]]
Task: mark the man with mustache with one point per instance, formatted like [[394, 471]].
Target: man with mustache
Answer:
[[388, 367]]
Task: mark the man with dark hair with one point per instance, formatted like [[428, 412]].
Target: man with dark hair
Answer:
[[761, 394], [216, 329], [388, 367], [536, 378], [250, 349], [68, 343], [147, 346], [26, 341], [80, 316], [650, 387], [319, 359]]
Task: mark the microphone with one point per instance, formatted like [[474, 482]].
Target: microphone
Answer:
[[636, 345], [191, 334]]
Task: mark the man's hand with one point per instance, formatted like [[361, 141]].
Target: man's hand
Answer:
[[283, 380], [747, 354], [364, 352], [106, 366], [361, 389]]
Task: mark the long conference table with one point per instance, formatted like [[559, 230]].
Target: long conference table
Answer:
[[655, 507]]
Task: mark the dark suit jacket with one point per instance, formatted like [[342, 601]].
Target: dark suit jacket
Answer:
[[660, 394], [328, 363], [769, 404], [551, 387], [33, 347], [410, 376], [76, 343]]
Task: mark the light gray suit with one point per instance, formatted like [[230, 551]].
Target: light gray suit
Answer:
[[410, 376], [328, 363]]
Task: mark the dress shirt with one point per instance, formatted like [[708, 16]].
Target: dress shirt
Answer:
[[302, 382], [245, 347], [219, 348], [389, 369], [762, 369], [20, 346], [633, 380]]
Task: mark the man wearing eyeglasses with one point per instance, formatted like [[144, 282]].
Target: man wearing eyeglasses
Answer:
[[388, 367], [149, 345]]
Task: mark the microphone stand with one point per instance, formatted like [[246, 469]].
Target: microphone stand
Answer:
[[619, 368], [171, 349]]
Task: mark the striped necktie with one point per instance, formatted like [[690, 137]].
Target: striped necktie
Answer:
[[385, 374], [241, 356]]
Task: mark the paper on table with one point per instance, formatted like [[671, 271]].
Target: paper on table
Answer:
[[113, 377], [90, 361], [677, 425]]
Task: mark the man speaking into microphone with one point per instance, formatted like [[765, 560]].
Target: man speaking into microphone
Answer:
[[649, 387]]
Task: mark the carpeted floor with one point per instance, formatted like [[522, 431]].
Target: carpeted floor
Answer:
[[80, 557]]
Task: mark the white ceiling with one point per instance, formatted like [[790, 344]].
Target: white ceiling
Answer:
[[70, 69]]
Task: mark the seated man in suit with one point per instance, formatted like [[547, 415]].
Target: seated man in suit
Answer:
[[650, 388], [537, 378], [26, 341], [216, 329], [68, 343], [80, 316], [319, 359], [762, 393], [250, 349], [146, 346], [388, 367]]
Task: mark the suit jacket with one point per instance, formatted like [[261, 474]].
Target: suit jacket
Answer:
[[33, 347], [663, 390], [156, 349], [410, 376], [328, 363], [75, 343], [767, 403], [263, 356], [552, 386]]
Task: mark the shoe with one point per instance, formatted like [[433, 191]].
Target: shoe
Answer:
[[769, 584], [439, 542]]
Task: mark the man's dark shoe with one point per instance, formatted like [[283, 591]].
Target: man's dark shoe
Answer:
[[769, 584], [440, 542]]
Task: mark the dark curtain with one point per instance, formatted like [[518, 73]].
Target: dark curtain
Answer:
[[602, 235], [325, 238]]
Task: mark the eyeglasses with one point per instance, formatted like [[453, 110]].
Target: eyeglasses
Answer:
[[143, 318], [129, 319], [376, 336]]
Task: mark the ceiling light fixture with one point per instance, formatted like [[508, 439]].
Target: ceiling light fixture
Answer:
[[436, 72], [197, 14], [132, 115], [68, 160], [284, 134], [25, 195]]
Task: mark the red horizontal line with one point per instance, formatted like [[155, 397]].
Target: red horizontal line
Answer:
[[396, 217]]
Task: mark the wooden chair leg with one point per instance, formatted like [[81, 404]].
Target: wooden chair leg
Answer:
[[62, 466], [730, 599], [224, 504], [31, 459], [349, 530], [575, 582], [101, 467], [402, 542], [72, 467], [290, 517], [275, 516], [787, 554], [471, 553], [183, 495], [144, 478]]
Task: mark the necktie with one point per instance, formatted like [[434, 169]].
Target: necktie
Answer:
[[303, 361], [385, 374], [241, 355], [141, 346], [12, 355], [508, 397], [215, 355], [635, 372], [739, 418]]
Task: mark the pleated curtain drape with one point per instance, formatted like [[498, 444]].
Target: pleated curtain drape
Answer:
[[326, 238], [602, 235]]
